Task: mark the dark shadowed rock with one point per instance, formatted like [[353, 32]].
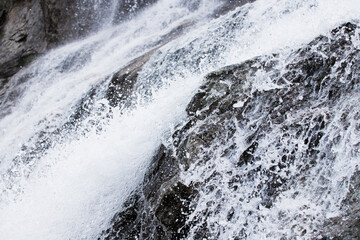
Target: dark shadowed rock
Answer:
[[121, 87], [22, 37], [158, 209], [3, 14]]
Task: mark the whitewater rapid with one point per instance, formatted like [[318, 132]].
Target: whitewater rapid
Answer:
[[71, 187]]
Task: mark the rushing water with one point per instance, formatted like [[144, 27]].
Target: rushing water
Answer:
[[59, 183]]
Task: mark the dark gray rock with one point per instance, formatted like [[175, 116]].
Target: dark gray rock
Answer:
[[158, 209], [261, 111], [126, 9], [122, 83], [3, 14], [346, 226], [229, 5], [229, 99], [22, 37], [68, 20], [29, 28]]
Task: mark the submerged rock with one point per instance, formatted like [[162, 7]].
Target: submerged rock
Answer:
[[257, 135]]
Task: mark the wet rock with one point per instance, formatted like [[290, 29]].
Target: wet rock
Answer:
[[347, 225], [259, 111], [126, 223], [128, 8], [159, 208], [68, 20], [15, 64], [32, 27], [229, 5], [247, 157], [3, 14], [122, 83], [22, 37], [162, 169], [174, 207], [122, 86], [282, 128]]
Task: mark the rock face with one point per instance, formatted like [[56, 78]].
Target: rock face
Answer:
[[21, 35], [67, 20], [29, 28], [206, 180], [127, 8], [122, 83]]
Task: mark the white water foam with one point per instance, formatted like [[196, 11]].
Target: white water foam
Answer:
[[75, 188], [78, 185]]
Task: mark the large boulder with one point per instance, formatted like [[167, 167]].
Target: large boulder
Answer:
[[205, 178]]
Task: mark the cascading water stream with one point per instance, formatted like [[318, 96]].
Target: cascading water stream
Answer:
[[70, 186], [58, 189]]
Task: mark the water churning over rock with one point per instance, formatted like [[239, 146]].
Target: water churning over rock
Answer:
[[201, 119]]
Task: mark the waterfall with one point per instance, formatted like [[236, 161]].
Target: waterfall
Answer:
[[65, 173]]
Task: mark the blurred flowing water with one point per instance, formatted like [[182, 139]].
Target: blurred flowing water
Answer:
[[58, 181]]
